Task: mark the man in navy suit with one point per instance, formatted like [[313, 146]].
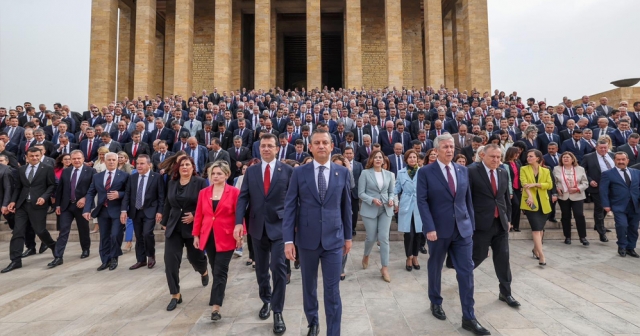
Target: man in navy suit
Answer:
[[388, 138], [144, 202], [263, 194], [162, 133], [548, 136], [299, 153], [396, 159], [356, 168], [89, 146], [284, 149], [446, 209], [110, 186], [575, 145], [70, 197], [121, 135], [318, 206], [619, 192], [199, 153]]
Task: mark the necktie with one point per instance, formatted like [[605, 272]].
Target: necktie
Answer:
[[399, 164], [322, 183], [452, 185], [461, 141], [627, 179], [606, 162], [267, 179], [237, 153], [26, 147], [162, 157], [555, 159], [107, 187], [31, 173], [577, 145], [120, 137], [494, 187], [74, 180], [635, 151], [298, 157], [390, 138], [550, 139], [135, 149], [90, 149], [191, 124], [360, 136], [368, 150], [139, 199], [11, 131]]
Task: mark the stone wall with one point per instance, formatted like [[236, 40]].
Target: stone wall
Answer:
[[374, 45], [614, 97], [158, 78], [412, 56], [203, 46]]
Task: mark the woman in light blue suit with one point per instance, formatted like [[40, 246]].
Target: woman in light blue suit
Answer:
[[376, 190], [409, 220]]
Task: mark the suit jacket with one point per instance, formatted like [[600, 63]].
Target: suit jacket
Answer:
[[597, 130], [200, 136], [166, 134], [362, 155], [247, 135], [433, 134], [222, 155], [281, 127], [394, 164], [6, 181], [244, 157], [618, 138], [570, 146], [18, 134], [592, 168], [288, 151], [320, 224], [356, 170], [356, 134], [615, 194], [440, 209], [580, 178], [549, 162], [193, 127], [485, 201], [600, 110], [42, 186], [153, 202], [221, 221], [456, 140], [118, 183], [294, 155], [546, 184], [415, 127], [266, 211], [174, 210], [114, 146], [200, 159], [469, 154], [368, 190], [543, 141], [63, 190], [386, 146], [633, 156], [84, 147], [143, 148], [155, 159], [353, 145]]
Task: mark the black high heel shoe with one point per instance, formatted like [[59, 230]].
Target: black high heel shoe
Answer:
[[534, 255], [215, 316]]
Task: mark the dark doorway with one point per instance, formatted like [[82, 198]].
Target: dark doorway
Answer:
[[295, 61], [248, 52], [332, 60]]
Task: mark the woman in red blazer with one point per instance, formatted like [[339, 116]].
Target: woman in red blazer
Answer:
[[213, 228]]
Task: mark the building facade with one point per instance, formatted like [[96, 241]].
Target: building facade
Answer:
[[141, 47]]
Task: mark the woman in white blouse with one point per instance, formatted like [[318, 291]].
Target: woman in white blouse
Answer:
[[571, 182]]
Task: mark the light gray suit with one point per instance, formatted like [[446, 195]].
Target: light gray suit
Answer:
[[377, 220]]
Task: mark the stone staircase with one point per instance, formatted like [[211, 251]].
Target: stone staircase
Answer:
[[553, 231]]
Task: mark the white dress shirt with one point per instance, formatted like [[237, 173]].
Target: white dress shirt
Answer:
[[603, 166], [451, 169], [272, 167], [106, 175], [495, 174], [622, 173]]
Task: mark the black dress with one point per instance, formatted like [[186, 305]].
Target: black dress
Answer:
[[537, 219]]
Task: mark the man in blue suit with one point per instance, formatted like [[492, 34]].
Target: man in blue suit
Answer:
[[575, 145], [110, 186], [199, 153], [263, 193], [620, 192], [318, 205], [446, 209], [388, 138]]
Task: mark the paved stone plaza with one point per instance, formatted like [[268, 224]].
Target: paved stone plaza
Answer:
[[583, 291]]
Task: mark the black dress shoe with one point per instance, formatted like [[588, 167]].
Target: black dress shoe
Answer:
[[85, 254], [205, 279], [28, 252], [174, 303], [608, 230], [12, 265], [516, 229], [342, 277], [603, 238], [509, 300], [567, 241], [314, 330], [55, 262], [423, 250], [137, 265], [103, 267], [296, 264], [42, 248], [632, 253], [438, 312], [584, 241], [265, 311], [215, 316], [113, 264], [474, 327], [289, 278], [553, 220], [278, 324], [622, 252]]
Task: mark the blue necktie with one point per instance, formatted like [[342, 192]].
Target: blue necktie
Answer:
[[139, 200], [322, 183]]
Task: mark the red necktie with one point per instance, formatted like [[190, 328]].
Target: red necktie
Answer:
[[107, 187], [135, 149], [120, 137], [390, 138], [27, 146], [158, 134], [494, 187], [635, 152], [267, 179], [89, 152]]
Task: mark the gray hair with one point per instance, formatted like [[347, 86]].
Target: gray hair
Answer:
[[440, 138], [366, 136], [107, 155], [237, 137]]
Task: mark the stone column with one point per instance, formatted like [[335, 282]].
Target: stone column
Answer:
[[393, 24], [222, 55], [183, 48], [314, 45], [476, 37], [236, 45], [459, 47], [433, 43], [169, 46], [353, 44], [126, 53], [102, 64], [145, 47], [262, 74], [448, 52], [273, 48]]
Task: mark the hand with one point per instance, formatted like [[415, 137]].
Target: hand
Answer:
[[80, 203], [238, 232], [196, 242], [510, 227], [395, 209], [607, 209], [53, 200], [559, 191], [377, 202], [161, 171], [390, 202], [574, 191], [90, 163], [529, 202], [158, 217], [290, 251], [57, 211], [593, 184], [239, 164], [554, 198], [87, 216], [5, 210], [40, 201], [123, 217], [188, 218], [347, 247], [113, 195], [432, 236]]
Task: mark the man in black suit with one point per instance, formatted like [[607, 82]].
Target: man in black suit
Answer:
[[205, 135], [363, 152], [70, 198], [6, 181], [113, 146], [31, 200], [492, 209], [159, 156], [238, 155], [388, 138], [299, 154], [594, 165], [144, 202], [136, 148], [121, 135], [225, 136], [631, 148], [470, 151], [40, 140], [263, 190], [161, 132], [356, 168], [284, 149], [64, 147], [217, 153]]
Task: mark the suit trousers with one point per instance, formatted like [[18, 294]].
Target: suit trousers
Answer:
[[173, 247], [497, 239], [412, 240], [378, 230], [355, 210], [515, 206], [598, 213], [145, 240], [219, 262], [552, 214], [111, 235], [627, 227], [25, 215], [29, 234], [269, 255], [461, 252], [578, 213], [66, 217], [331, 263]]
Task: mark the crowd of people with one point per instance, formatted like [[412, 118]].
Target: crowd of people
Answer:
[[293, 171]]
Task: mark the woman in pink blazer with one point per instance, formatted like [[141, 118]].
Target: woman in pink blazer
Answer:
[[213, 228]]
